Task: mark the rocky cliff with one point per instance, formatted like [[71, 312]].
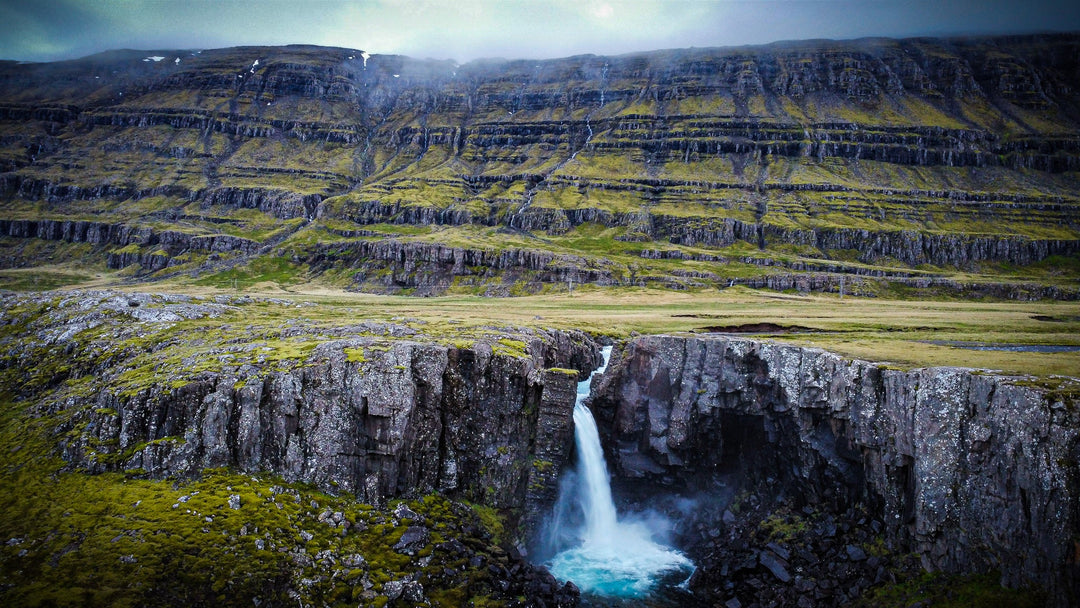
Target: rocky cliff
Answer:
[[974, 472], [376, 410], [919, 155], [261, 402], [173, 451]]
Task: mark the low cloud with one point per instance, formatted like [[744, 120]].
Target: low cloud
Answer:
[[469, 29]]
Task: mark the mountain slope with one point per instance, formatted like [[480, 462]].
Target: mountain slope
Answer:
[[942, 165]]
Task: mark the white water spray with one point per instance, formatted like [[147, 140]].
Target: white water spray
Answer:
[[614, 558]]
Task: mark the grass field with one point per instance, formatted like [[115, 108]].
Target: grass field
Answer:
[[880, 330], [892, 331], [895, 332]]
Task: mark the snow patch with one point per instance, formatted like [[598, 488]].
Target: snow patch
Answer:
[[364, 55], [397, 75], [154, 58], [177, 62]]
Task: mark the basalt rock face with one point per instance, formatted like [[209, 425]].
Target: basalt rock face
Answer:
[[375, 410], [430, 269], [958, 154], [417, 420], [142, 246], [972, 471]]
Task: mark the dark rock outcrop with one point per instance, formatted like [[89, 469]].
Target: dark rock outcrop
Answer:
[[150, 249], [282, 204], [430, 269], [974, 472]]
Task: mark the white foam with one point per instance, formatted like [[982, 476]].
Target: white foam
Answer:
[[627, 564]]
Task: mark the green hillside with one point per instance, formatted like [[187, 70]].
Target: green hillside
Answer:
[[880, 167]]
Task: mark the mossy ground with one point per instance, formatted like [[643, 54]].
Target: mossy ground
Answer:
[[223, 538], [117, 540], [945, 591]]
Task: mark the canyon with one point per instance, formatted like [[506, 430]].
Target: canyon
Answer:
[[973, 472]]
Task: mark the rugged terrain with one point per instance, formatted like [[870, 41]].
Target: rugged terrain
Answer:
[[284, 438], [216, 448], [224, 449], [974, 473], [874, 167]]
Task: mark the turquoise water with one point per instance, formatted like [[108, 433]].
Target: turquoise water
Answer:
[[629, 565]]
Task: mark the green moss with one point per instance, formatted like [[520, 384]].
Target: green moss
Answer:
[[783, 527], [510, 348], [265, 269], [132, 248], [951, 592], [491, 520], [36, 279]]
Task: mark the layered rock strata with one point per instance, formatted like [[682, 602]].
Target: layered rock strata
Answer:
[[974, 472], [917, 155]]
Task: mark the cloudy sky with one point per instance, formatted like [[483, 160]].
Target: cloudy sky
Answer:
[[41, 30]]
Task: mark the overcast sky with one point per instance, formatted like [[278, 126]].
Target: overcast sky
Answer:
[[41, 30]]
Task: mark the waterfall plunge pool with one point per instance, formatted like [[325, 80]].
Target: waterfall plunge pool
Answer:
[[605, 556]]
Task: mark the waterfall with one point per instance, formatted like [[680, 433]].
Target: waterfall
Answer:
[[595, 488], [595, 485], [610, 557]]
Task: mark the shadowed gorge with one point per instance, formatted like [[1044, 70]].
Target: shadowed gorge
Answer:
[[971, 472], [873, 166]]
